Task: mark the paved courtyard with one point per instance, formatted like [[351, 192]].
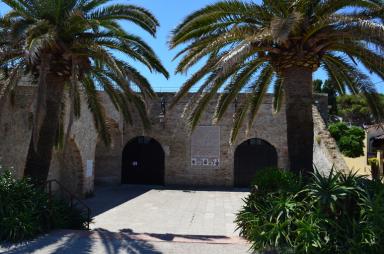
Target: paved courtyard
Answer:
[[146, 220], [143, 210]]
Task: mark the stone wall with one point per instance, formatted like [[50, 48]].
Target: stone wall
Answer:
[[175, 139], [320, 100], [326, 154], [16, 122], [85, 136], [87, 160], [108, 158], [66, 166]]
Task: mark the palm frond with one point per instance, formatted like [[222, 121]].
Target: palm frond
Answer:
[[97, 109], [259, 89], [278, 94], [282, 35], [239, 81], [135, 14]]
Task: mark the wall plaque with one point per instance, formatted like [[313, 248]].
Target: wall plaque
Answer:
[[205, 147]]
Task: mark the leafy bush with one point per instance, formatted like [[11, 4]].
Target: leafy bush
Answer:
[[338, 130], [275, 180], [350, 140], [336, 213], [26, 211]]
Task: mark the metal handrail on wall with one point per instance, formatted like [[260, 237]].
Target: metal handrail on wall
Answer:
[[73, 199]]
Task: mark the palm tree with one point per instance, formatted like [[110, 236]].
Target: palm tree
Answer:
[[75, 47], [249, 47]]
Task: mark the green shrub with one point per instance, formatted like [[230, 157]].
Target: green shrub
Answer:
[[21, 207], [65, 217], [350, 140], [275, 180], [338, 130], [26, 211], [335, 213]]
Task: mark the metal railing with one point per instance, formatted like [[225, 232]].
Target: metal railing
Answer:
[[64, 193]]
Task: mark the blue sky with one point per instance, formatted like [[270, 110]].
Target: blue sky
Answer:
[[170, 13]]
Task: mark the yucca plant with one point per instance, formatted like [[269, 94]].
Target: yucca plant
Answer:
[[333, 213], [310, 235], [249, 47], [327, 191], [74, 46]]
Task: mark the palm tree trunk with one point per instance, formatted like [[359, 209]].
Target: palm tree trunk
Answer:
[[298, 91], [40, 155]]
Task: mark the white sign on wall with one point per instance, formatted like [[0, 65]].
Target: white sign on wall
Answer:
[[89, 172], [205, 147]]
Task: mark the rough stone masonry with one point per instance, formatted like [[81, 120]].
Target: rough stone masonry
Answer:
[[204, 159]]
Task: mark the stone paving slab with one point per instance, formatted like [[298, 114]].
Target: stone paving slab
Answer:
[[102, 242], [147, 220], [184, 212]]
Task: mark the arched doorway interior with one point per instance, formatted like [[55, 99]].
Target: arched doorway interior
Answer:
[[251, 156], [143, 162]]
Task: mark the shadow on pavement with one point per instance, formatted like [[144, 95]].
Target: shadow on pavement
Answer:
[[169, 237], [99, 241], [108, 197], [123, 243], [36, 245]]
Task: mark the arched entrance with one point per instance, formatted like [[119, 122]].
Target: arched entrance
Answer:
[[251, 156], [143, 162]]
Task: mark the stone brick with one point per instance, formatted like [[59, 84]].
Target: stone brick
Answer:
[[171, 132]]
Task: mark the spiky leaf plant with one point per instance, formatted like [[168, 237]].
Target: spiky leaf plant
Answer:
[[333, 213]]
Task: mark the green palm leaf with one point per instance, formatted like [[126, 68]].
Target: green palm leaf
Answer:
[[80, 38], [291, 37]]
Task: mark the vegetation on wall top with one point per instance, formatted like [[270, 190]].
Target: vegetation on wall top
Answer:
[[349, 139]]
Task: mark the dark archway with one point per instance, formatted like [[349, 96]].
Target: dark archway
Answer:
[[143, 162], [251, 156]]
